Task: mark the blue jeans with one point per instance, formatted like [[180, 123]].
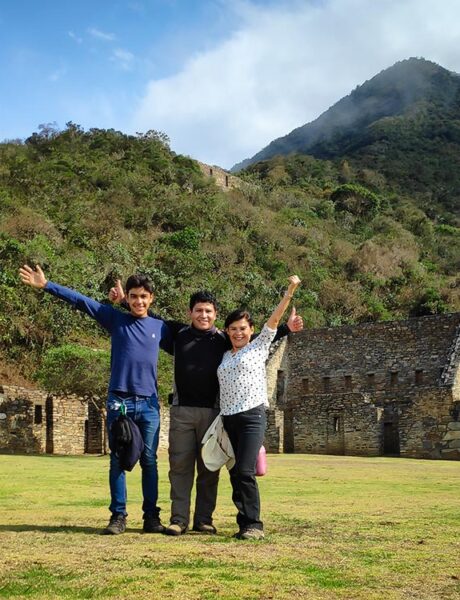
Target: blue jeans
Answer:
[[145, 412]]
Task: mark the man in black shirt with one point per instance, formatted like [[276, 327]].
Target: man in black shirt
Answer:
[[198, 349]]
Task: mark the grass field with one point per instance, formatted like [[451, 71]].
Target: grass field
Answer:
[[336, 527]]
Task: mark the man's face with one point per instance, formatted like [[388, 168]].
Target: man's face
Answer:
[[203, 315], [139, 301]]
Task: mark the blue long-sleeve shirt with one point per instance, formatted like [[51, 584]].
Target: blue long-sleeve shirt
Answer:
[[135, 342]]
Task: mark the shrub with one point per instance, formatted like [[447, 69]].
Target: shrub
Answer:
[[356, 199]]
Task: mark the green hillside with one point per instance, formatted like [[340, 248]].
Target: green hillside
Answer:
[[403, 123], [91, 206]]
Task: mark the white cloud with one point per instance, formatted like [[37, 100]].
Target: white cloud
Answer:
[[101, 35], [123, 58], [75, 37], [285, 65]]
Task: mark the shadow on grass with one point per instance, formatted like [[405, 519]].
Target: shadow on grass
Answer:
[[58, 529]]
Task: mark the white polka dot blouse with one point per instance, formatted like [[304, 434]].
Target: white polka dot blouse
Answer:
[[242, 376]]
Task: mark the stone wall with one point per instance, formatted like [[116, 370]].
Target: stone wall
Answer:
[[336, 424], [22, 420], [371, 357], [371, 389], [451, 374], [31, 421], [274, 436], [95, 432], [223, 178], [68, 418], [429, 425]]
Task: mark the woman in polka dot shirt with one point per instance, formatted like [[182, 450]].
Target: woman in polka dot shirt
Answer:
[[243, 400]]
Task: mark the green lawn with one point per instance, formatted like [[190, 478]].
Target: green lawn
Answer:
[[336, 527]]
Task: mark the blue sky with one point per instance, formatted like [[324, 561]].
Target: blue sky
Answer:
[[89, 60], [221, 78]]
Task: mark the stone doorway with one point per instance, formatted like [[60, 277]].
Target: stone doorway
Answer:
[[288, 431], [336, 434], [49, 448], [391, 439]]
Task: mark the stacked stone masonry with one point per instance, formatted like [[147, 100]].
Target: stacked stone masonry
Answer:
[[223, 179], [370, 389], [34, 422]]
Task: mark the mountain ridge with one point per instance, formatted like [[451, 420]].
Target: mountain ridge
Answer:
[[393, 92]]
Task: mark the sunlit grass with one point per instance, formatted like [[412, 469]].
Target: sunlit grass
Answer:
[[336, 527]]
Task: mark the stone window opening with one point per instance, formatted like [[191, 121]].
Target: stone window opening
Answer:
[[371, 379], [455, 412], [38, 414], [327, 384], [348, 382], [226, 180], [305, 385], [86, 438], [280, 385], [418, 376], [336, 424], [394, 375], [210, 171]]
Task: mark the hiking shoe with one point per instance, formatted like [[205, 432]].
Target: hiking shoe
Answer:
[[205, 528], [176, 529], [252, 534], [152, 524], [117, 525]]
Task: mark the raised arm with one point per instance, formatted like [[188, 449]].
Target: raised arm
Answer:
[[279, 311], [36, 278]]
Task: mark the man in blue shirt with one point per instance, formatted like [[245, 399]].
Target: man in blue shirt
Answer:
[[135, 341]]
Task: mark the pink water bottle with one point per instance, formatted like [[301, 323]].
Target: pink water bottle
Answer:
[[261, 463]]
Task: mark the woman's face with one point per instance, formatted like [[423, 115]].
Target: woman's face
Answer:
[[240, 333]]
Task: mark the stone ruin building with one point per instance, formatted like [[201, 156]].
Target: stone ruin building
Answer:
[[373, 389], [34, 422], [223, 178]]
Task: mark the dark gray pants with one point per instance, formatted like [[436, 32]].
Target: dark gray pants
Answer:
[[186, 430]]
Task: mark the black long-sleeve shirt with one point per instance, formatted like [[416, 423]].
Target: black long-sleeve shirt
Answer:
[[197, 354]]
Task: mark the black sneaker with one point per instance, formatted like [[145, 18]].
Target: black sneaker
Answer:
[[117, 525], [152, 524]]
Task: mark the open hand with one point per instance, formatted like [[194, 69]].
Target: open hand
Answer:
[[33, 278]]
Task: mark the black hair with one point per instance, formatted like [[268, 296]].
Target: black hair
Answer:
[[137, 281], [237, 315], [203, 296]]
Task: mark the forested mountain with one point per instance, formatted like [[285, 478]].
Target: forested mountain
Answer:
[[403, 123], [91, 206]]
